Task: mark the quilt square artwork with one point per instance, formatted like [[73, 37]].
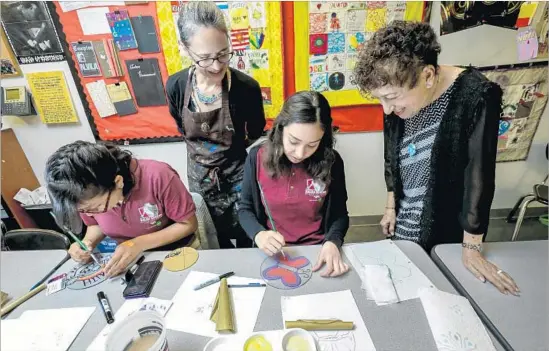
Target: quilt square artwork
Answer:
[[319, 82], [318, 44], [337, 32], [318, 23], [524, 100], [336, 43]]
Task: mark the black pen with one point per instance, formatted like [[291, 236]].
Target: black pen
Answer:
[[213, 281], [107, 311]]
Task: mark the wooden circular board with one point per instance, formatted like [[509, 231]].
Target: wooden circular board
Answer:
[[180, 259]]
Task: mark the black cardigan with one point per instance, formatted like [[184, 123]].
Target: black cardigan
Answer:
[[463, 162], [335, 218], [245, 103]]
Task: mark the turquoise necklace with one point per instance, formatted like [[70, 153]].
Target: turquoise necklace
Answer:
[[203, 98], [412, 149]]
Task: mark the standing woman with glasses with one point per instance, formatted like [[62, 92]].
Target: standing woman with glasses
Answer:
[[142, 204], [219, 111]]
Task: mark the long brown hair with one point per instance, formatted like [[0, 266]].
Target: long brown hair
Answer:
[[302, 107]]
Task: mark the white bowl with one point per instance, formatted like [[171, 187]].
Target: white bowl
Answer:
[[220, 344], [303, 334]]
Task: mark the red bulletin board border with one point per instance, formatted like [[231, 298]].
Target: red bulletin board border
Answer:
[[149, 124]]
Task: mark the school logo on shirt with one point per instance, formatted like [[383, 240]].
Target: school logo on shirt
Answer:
[[149, 213], [315, 188]]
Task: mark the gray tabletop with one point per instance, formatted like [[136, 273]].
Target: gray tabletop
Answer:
[[520, 323], [20, 270], [400, 326]]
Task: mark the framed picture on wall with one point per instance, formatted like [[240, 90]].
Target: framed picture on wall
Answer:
[[8, 63]]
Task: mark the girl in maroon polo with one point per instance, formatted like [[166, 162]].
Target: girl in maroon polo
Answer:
[[142, 204], [298, 180]]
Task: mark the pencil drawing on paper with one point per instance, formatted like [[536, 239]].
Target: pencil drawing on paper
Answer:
[[338, 340], [399, 267], [88, 275]]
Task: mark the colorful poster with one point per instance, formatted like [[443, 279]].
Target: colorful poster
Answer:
[[51, 97], [122, 31], [527, 43], [31, 32], [524, 100], [460, 15]]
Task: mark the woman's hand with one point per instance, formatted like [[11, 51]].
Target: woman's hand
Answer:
[[388, 222], [270, 242], [329, 254], [123, 256], [79, 255], [485, 270]]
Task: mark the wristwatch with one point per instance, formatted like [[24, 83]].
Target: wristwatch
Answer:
[[476, 247]]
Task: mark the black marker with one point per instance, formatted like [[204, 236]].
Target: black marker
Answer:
[[105, 306]]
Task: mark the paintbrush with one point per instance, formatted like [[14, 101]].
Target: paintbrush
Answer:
[[12, 305], [75, 238], [269, 214]]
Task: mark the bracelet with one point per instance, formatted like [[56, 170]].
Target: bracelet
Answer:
[[476, 247]]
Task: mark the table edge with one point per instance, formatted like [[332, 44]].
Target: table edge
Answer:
[[457, 285]]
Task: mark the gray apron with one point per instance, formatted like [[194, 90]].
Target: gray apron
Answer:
[[211, 173]]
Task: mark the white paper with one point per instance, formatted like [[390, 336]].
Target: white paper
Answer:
[[75, 5], [129, 307], [191, 309], [55, 286], [24, 197], [101, 99], [407, 278], [38, 196], [53, 329], [94, 20], [379, 283], [157, 305], [453, 321], [335, 305]]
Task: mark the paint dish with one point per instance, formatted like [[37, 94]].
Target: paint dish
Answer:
[[220, 344], [274, 340], [298, 340], [257, 342]]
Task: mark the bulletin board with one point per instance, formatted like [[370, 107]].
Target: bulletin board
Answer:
[[150, 124], [259, 54], [327, 45]]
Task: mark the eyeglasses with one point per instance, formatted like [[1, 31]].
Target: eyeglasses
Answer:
[[223, 58], [104, 209]]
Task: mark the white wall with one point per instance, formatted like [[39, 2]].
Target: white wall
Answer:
[[362, 152]]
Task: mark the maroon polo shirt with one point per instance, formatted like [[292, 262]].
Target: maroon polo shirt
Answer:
[[295, 202], [158, 199]]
